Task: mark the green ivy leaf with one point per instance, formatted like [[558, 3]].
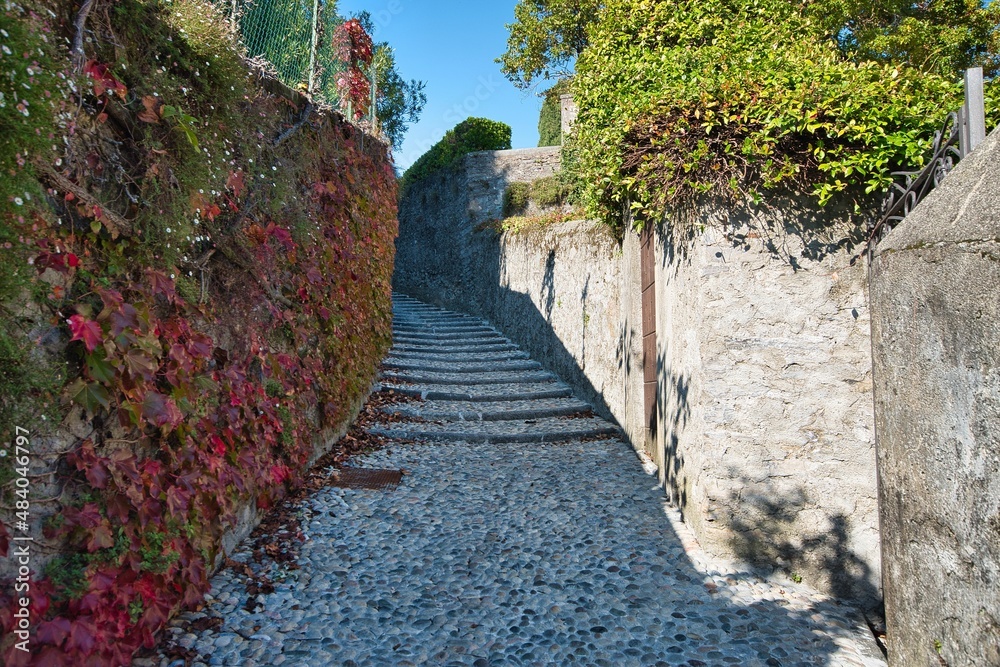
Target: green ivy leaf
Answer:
[[91, 395], [99, 368]]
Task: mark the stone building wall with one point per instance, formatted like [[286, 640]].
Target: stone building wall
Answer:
[[438, 215]]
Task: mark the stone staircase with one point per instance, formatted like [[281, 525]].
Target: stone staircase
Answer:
[[476, 385]]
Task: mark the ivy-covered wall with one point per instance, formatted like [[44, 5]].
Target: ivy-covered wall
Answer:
[[194, 297]]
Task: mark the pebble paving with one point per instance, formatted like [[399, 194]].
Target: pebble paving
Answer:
[[498, 551]]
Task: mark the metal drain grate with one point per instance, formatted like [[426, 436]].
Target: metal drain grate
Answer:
[[366, 478]]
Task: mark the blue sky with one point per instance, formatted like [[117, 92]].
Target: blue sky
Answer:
[[452, 45]]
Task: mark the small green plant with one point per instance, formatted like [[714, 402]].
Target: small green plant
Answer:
[[549, 191], [796, 577], [68, 575], [135, 609], [515, 199]]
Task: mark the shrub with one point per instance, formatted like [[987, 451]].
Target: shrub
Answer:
[[515, 199], [469, 136], [735, 97], [549, 191]]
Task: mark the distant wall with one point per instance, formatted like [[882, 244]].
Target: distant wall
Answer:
[[763, 359], [935, 288], [438, 214]]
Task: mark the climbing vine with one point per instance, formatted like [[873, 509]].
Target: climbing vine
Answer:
[[209, 301]]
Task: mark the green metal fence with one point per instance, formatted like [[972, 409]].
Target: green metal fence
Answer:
[[294, 38]]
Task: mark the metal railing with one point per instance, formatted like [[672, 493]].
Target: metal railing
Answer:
[[962, 131]]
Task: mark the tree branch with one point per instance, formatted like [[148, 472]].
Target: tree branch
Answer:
[[79, 25], [294, 128], [115, 223]]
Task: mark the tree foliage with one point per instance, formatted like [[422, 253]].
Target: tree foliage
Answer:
[[398, 102], [472, 134], [546, 38], [737, 96], [550, 117], [937, 36]]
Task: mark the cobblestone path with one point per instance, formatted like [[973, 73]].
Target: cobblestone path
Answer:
[[525, 532]]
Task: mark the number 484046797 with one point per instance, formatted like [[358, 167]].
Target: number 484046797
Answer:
[[21, 463]]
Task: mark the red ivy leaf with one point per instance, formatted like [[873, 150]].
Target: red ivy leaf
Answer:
[[236, 182], [162, 285], [81, 636], [159, 410], [4, 540], [177, 501], [88, 516], [100, 537], [85, 330], [53, 632], [125, 318]]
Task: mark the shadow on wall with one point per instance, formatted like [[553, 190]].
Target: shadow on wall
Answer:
[[763, 519], [672, 418], [782, 217]]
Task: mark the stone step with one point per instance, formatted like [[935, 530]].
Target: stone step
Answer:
[[435, 357], [544, 429], [434, 337], [481, 393], [458, 344], [442, 330], [446, 350], [451, 366], [489, 410], [421, 323], [431, 377]]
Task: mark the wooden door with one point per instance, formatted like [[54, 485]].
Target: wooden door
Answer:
[[647, 269]]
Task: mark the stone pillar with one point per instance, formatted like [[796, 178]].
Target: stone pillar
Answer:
[[569, 112], [935, 295]]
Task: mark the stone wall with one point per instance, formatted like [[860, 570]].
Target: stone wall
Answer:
[[556, 291], [766, 438], [936, 349], [438, 215]]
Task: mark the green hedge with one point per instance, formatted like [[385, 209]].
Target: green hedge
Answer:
[[469, 136], [736, 97]]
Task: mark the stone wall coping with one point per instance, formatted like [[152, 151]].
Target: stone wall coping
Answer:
[[544, 151]]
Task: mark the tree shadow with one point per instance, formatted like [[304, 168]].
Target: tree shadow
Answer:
[[766, 523], [787, 225]]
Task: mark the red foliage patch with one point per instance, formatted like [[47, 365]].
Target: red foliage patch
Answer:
[[214, 428]]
